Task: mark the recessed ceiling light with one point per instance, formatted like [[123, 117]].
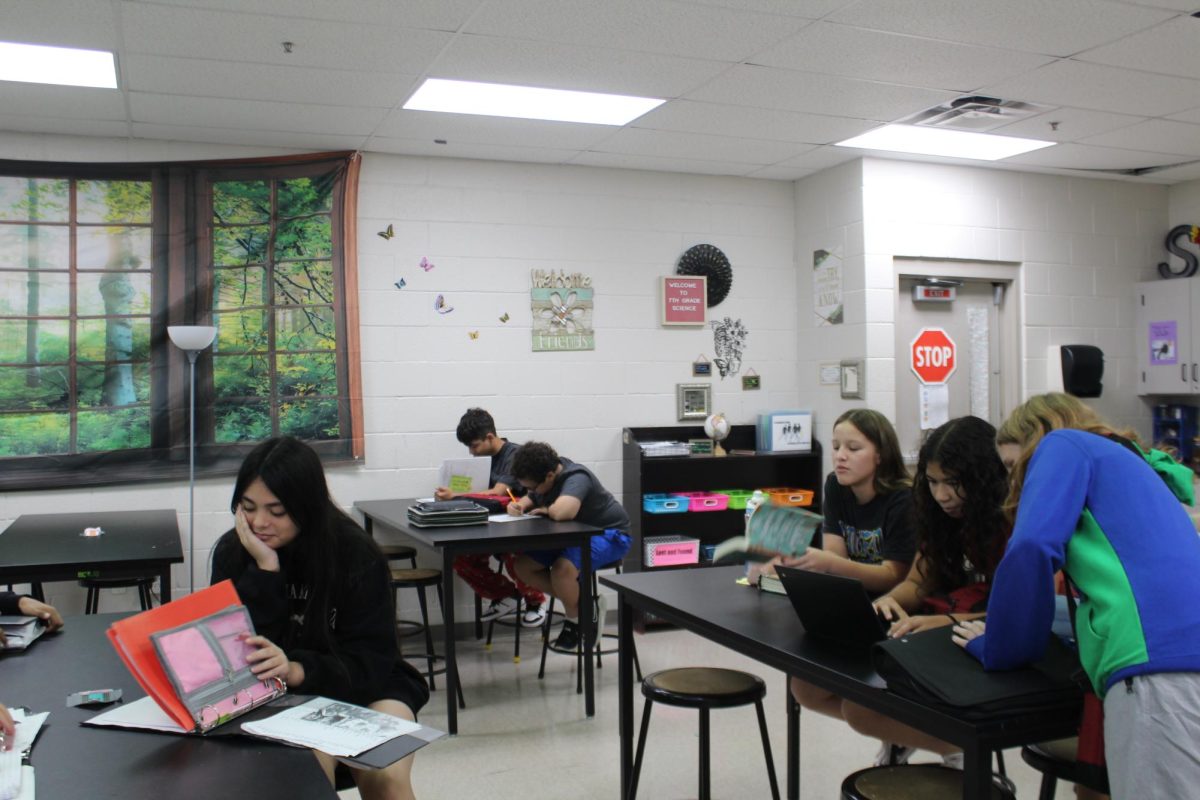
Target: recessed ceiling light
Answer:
[[528, 102], [62, 66], [942, 142]]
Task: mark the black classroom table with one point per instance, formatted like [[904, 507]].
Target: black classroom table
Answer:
[[71, 760], [508, 537], [764, 627]]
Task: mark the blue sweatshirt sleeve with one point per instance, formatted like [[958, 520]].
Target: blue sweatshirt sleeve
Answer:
[[1021, 605]]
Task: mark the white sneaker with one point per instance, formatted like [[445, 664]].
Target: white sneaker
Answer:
[[499, 608], [601, 613], [893, 755], [533, 617]]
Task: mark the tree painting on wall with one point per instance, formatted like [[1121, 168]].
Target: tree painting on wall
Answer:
[[562, 311]]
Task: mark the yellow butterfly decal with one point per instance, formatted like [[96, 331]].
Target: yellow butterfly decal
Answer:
[[389, 233], [505, 318], [473, 334]]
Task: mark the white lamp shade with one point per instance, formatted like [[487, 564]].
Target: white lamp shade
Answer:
[[191, 337]]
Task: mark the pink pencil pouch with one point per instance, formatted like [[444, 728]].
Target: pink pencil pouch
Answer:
[[206, 663]]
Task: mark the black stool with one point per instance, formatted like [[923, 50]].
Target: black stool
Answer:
[[399, 552], [600, 636], [907, 781], [703, 688], [419, 579], [94, 585], [1056, 760]]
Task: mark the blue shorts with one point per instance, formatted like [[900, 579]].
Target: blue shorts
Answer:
[[607, 547]]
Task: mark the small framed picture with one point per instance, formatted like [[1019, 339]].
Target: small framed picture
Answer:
[[693, 401], [853, 379], [751, 382], [701, 368]]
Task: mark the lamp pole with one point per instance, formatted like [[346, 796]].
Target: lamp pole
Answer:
[[192, 339]]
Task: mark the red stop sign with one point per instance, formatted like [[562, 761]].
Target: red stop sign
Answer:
[[932, 355]]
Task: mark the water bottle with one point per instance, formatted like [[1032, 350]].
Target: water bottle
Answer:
[[756, 500]]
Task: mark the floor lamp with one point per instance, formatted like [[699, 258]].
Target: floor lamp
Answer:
[[192, 339]]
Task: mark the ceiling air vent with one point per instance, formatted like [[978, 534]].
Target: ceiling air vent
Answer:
[[976, 113]]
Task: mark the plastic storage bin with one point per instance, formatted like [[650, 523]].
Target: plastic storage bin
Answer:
[[664, 504], [789, 497], [705, 501], [670, 551], [737, 497]]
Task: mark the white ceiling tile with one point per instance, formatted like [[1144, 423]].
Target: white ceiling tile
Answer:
[[1090, 157], [698, 146], [253, 115], [774, 172], [809, 9], [1170, 48], [289, 140], [1159, 135], [876, 55], [659, 164], [1175, 5], [813, 161], [77, 127], [425, 147], [661, 26], [256, 38], [1191, 115], [64, 23], [202, 77], [568, 66], [1073, 124], [751, 123], [73, 102], [1094, 86], [764, 87], [1190, 172], [442, 15], [1057, 28], [473, 129]]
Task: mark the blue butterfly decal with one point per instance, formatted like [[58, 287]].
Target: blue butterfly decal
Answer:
[[400, 284]]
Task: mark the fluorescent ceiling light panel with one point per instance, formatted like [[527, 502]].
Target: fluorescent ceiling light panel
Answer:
[[62, 66], [941, 142], [528, 102]]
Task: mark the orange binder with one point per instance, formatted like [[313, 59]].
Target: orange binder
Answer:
[[131, 638]]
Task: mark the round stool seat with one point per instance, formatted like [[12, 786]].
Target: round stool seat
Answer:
[[395, 552], [911, 782], [1057, 760], [703, 687], [421, 576]]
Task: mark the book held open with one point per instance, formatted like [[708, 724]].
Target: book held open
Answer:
[[773, 531]]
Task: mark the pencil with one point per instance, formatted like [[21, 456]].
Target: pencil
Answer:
[[512, 496]]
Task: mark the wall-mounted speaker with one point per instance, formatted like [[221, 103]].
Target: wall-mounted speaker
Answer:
[[1082, 369]]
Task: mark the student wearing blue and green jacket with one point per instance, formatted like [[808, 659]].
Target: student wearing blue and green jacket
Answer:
[[1088, 502]]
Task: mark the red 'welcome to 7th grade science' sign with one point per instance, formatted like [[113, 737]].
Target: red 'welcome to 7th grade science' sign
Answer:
[[685, 300]]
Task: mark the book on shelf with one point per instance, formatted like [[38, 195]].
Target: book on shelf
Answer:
[[664, 448], [20, 631], [772, 531]]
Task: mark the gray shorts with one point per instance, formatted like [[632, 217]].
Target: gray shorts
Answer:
[[1152, 736]]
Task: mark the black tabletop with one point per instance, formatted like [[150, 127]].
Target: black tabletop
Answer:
[[508, 536], [130, 539], [75, 761]]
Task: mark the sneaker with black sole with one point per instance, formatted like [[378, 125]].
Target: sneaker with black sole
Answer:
[[533, 617], [499, 608], [568, 637], [601, 613], [893, 755]]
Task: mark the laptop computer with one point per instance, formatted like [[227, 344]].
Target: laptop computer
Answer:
[[834, 608]]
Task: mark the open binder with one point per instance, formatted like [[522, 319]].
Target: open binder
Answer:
[[190, 658]]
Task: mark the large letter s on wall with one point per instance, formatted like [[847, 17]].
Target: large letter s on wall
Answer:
[[1190, 261]]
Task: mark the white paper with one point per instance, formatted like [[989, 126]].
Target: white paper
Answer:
[[28, 726], [331, 726], [506, 517], [144, 714], [479, 470], [934, 404]]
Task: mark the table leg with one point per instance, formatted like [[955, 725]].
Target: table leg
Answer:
[[625, 689], [448, 646], [164, 583], [590, 631], [793, 742], [369, 525], [977, 773]]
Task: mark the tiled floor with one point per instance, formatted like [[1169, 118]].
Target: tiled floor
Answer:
[[524, 738]]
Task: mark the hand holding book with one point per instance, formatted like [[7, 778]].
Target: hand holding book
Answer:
[[773, 532]]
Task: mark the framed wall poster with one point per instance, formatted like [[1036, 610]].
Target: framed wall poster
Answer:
[[693, 401], [684, 300]]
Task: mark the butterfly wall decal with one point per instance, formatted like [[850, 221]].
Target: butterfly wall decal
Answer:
[[505, 317], [440, 306], [426, 264], [400, 284], [389, 233], [473, 334]]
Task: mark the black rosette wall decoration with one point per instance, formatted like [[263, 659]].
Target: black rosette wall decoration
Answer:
[[709, 262]]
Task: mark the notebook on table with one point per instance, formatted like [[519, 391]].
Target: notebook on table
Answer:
[[833, 608], [20, 631]]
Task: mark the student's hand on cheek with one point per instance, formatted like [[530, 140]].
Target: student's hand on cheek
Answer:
[[266, 558]]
